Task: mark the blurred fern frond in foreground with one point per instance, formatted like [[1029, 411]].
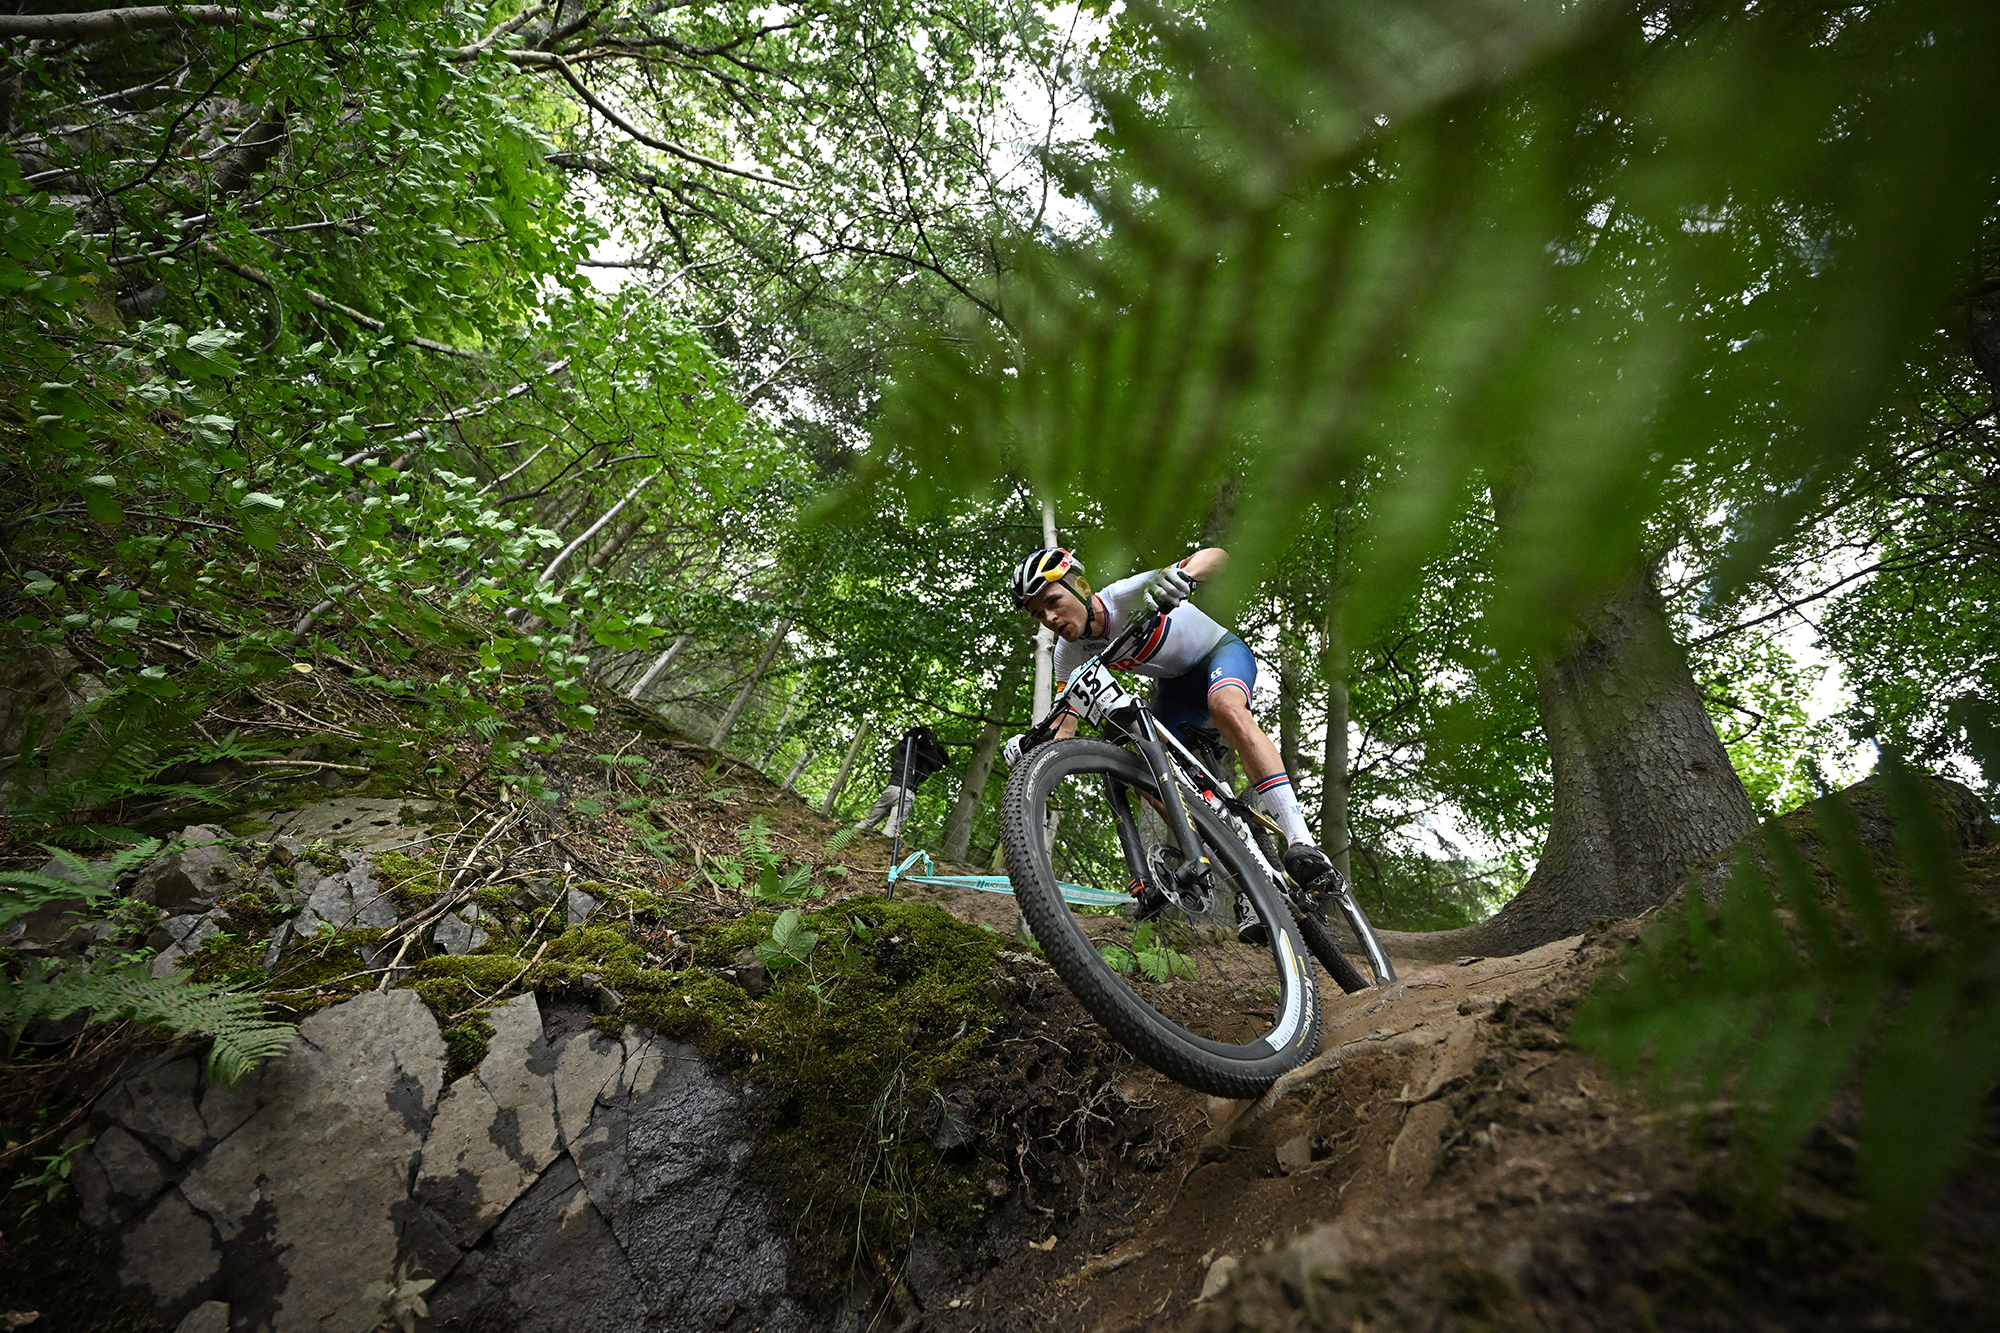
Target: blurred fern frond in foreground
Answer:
[[1601, 263], [1825, 970]]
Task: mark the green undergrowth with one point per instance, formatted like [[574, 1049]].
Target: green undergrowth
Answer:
[[854, 1042], [877, 1006]]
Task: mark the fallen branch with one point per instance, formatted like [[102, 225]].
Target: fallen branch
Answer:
[[303, 763]]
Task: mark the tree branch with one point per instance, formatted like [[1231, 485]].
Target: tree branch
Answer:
[[117, 22], [327, 303], [550, 60]]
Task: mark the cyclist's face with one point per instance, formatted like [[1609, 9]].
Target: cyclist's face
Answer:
[[1058, 608]]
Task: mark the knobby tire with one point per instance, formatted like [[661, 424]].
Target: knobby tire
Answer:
[[1282, 982]]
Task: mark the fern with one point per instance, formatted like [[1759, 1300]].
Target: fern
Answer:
[[117, 745], [234, 1021], [756, 839], [22, 891], [1786, 999], [841, 839]]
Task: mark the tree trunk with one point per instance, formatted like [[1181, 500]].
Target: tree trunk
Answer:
[[728, 721], [971, 791], [660, 663], [784, 719], [621, 534], [1336, 839], [548, 575], [797, 769], [1288, 702], [846, 767], [1643, 787]]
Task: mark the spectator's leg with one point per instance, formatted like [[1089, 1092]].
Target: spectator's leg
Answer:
[[884, 805], [906, 803]]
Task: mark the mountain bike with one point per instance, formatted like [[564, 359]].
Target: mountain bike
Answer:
[[1178, 989]]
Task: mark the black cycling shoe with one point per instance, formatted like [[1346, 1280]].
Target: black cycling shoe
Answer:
[[1250, 927], [1310, 868]]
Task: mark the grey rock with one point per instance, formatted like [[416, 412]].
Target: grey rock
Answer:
[[188, 881], [495, 1130], [645, 1222], [130, 1171], [351, 900], [355, 821], [312, 1181], [660, 1161], [179, 936], [172, 1251], [1295, 1154], [588, 1067], [275, 950], [159, 1105], [58, 926], [750, 973], [579, 906], [460, 931], [94, 1200], [208, 1317], [954, 1131], [533, 893], [552, 1265], [36, 687]]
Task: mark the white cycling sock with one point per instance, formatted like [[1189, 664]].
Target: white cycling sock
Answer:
[[1280, 803]]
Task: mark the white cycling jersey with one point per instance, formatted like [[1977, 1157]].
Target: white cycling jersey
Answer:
[[1181, 639]]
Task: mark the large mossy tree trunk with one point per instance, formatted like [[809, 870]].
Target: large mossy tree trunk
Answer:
[[1643, 787]]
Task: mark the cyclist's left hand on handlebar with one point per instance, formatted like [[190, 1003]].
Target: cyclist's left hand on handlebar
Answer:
[[1017, 746], [1169, 588]]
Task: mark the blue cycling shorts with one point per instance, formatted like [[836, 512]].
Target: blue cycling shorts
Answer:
[[1182, 701]]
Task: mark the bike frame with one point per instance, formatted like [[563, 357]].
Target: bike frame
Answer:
[[1173, 765]]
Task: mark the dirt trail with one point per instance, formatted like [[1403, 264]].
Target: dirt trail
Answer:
[[1448, 1162]]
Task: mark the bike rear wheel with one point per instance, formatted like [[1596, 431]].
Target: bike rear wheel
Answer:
[[1313, 930], [1180, 992]]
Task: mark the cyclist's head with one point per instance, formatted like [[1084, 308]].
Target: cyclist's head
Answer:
[[1040, 569]]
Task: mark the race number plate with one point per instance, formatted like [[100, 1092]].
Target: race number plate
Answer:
[[1095, 694]]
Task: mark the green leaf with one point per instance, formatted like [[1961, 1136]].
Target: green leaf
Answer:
[[100, 497]]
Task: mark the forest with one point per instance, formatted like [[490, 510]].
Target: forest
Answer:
[[1600, 403]]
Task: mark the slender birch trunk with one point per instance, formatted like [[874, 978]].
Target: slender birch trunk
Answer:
[[1334, 835], [660, 663], [548, 575], [846, 767], [972, 790], [728, 722]]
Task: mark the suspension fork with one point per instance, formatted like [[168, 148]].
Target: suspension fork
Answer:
[[1127, 824]]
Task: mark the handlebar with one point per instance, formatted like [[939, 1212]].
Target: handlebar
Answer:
[[1041, 730]]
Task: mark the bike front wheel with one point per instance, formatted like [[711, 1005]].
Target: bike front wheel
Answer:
[[1179, 992]]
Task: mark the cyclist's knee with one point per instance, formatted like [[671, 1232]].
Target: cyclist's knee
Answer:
[[1231, 710]]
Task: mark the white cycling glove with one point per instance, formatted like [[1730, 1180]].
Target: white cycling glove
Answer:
[[1169, 588], [1013, 750]]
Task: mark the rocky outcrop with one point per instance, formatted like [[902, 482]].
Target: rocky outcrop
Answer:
[[571, 1181]]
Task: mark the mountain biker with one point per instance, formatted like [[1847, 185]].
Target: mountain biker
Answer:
[[1205, 675]]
